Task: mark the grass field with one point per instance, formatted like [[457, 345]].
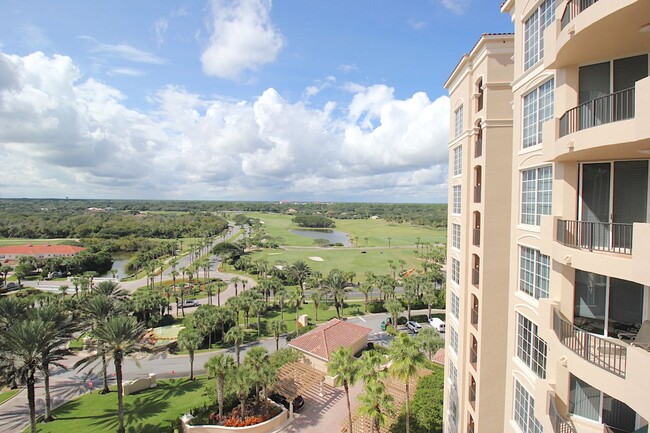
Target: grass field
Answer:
[[376, 231], [22, 241], [149, 411], [6, 395], [345, 259]]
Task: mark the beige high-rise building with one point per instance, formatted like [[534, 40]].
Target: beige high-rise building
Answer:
[[563, 336]]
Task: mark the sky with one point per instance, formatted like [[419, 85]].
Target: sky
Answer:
[[299, 100]]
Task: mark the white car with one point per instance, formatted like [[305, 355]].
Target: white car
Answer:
[[437, 324], [188, 303], [414, 327]]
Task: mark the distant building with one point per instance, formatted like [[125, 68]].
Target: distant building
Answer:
[[44, 251]]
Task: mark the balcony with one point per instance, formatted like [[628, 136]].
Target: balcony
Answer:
[[593, 236], [477, 194], [573, 9], [560, 425], [478, 148], [475, 318], [475, 277], [472, 393], [476, 237], [606, 109], [605, 353]]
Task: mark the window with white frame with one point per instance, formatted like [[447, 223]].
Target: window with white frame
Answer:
[[531, 349], [534, 28], [534, 270], [455, 235], [536, 194], [455, 270], [537, 109], [458, 160], [453, 374], [524, 410], [458, 121], [453, 339], [455, 305], [455, 209]]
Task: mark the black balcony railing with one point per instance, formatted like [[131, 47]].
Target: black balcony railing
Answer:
[[560, 425], [477, 194], [475, 277], [573, 9], [476, 237], [593, 236], [478, 148], [607, 354], [472, 395], [473, 356], [606, 109], [475, 318]]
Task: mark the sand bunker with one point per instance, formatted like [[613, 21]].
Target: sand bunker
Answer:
[[316, 259]]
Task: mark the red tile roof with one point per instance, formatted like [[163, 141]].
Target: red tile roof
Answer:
[[326, 338], [439, 357], [36, 250]]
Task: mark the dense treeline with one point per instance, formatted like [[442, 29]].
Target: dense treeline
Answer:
[[47, 215], [112, 224], [313, 221]]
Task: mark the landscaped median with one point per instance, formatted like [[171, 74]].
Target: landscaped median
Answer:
[[254, 426]]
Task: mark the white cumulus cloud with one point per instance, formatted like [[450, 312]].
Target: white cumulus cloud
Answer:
[[243, 38]]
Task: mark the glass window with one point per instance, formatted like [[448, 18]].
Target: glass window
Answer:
[[536, 194], [456, 206], [524, 410], [458, 121], [458, 160], [534, 271], [455, 270], [453, 339], [455, 235], [453, 374], [455, 305], [534, 28], [530, 348], [537, 109], [589, 402]]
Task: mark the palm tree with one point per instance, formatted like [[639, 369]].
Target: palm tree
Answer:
[[219, 366], [258, 306], [336, 286], [235, 335], [300, 271], [120, 336], [294, 296], [27, 345], [410, 295], [241, 381], [394, 308], [256, 358], [235, 281], [366, 289], [430, 341], [344, 369], [277, 327], [405, 354], [376, 404], [316, 298], [370, 366], [4, 270], [190, 339]]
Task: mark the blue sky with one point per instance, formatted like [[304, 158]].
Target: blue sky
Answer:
[[232, 99]]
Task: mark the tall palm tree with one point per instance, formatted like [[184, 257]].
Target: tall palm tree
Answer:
[[430, 341], [394, 308], [241, 381], [121, 336], [190, 339], [256, 357], [235, 281], [336, 286], [376, 404], [406, 357], [316, 297], [370, 366], [294, 296], [111, 289], [366, 289], [300, 271], [26, 346], [258, 306], [235, 335], [344, 369], [277, 327], [220, 366]]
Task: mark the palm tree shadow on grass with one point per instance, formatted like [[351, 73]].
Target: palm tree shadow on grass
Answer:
[[147, 404]]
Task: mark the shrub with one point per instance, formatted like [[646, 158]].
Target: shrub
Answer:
[[426, 405], [166, 320], [420, 318], [401, 320], [376, 306]]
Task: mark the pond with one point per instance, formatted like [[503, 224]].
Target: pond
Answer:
[[119, 263], [332, 236]]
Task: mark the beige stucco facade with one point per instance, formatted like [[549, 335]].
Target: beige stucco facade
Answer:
[[572, 286], [479, 164]]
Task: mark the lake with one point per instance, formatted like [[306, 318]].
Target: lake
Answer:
[[119, 263], [332, 236]]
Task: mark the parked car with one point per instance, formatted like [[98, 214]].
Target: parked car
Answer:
[[298, 403], [188, 303], [414, 327], [437, 324]]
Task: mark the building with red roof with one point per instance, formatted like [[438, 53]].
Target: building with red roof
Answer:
[[43, 251], [318, 344]]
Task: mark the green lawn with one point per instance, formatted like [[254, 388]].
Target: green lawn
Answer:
[[376, 231], [149, 411], [22, 241], [6, 395], [346, 259]]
